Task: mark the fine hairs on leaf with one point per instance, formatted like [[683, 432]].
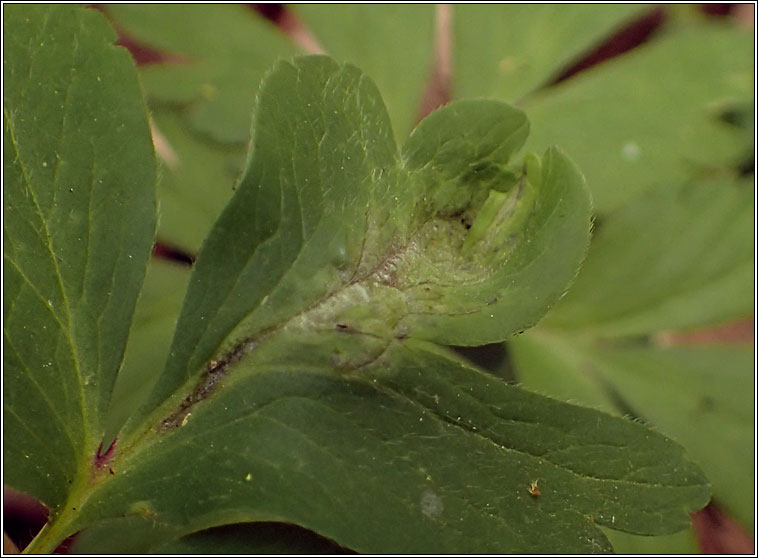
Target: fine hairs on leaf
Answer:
[[309, 380]]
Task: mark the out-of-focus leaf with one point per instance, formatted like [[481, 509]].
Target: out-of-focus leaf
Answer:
[[392, 43], [700, 396], [222, 51], [149, 340], [652, 116], [79, 219], [678, 257], [196, 183], [507, 51], [557, 373], [202, 103]]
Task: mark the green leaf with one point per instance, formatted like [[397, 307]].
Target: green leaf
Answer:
[[196, 182], [217, 91], [654, 115], [201, 103], [79, 219], [391, 43], [149, 340], [508, 51], [700, 396], [560, 372], [303, 383], [342, 455], [350, 434], [705, 403], [672, 255], [289, 251], [535, 218], [223, 51], [678, 257], [339, 231]]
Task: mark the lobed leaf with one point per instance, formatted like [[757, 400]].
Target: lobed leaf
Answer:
[[402, 448], [677, 257], [351, 434], [339, 238], [700, 396], [303, 384]]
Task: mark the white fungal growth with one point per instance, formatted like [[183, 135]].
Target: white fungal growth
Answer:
[[431, 504], [631, 151]]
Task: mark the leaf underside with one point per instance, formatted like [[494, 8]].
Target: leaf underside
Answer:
[[370, 422]]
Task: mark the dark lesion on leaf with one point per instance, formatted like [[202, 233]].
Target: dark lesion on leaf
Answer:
[[209, 380]]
